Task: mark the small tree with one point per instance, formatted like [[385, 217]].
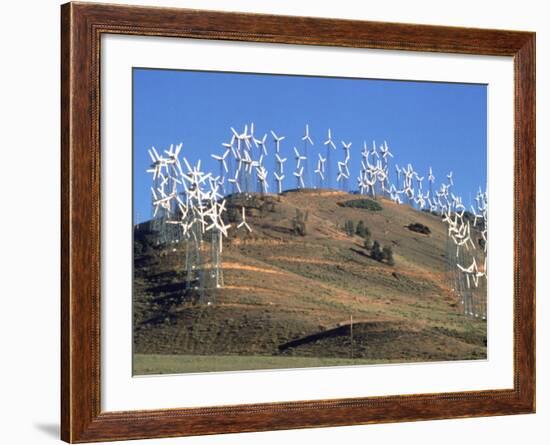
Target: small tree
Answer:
[[299, 222], [376, 252], [367, 232], [387, 252], [349, 227], [360, 229], [368, 242]]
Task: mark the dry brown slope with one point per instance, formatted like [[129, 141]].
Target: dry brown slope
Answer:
[[280, 286]]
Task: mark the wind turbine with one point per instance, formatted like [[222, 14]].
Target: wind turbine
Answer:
[[450, 178], [397, 174], [280, 164], [385, 150], [277, 140], [279, 180], [298, 157], [242, 137], [329, 143], [340, 178], [373, 151], [346, 147], [299, 173], [223, 164], [260, 143], [229, 146], [307, 139], [262, 178], [320, 169], [190, 218], [247, 163], [243, 221]]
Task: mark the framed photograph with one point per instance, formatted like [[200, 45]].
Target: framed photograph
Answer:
[[274, 222]]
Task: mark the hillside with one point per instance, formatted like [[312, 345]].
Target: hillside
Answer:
[[290, 295]]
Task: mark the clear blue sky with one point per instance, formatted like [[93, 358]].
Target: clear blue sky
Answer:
[[425, 123]]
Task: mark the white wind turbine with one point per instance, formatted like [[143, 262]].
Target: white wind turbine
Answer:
[[280, 170], [242, 137], [320, 170], [362, 182], [385, 151], [235, 180], [277, 140], [363, 172], [382, 175], [450, 178], [373, 152], [346, 146], [190, 218], [157, 165], [307, 141], [298, 158], [243, 222], [235, 183], [262, 173], [248, 165], [341, 177], [394, 194], [261, 144], [280, 162], [329, 143], [229, 146], [371, 183], [397, 175], [472, 272], [279, 180], [223, 163], [173, 160], [299, 173], [419, 180]]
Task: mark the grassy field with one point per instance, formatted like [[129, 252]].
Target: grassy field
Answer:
[[149, 364]]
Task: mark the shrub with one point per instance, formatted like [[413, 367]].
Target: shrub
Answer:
[[299, 222], [367, 244], [349, 227], [387, 253], [362, 230], [367, 204], [419, 228], [376, 252]]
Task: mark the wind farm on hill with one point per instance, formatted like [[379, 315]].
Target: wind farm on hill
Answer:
[[261, 265]]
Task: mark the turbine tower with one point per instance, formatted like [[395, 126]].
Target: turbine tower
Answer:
[[307, 141], [329, 143], [346, 146], [279, 175]]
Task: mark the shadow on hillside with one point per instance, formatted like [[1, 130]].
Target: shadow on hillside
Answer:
[[360, 252]]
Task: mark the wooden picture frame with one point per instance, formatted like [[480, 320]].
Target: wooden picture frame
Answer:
[[82, 25]]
